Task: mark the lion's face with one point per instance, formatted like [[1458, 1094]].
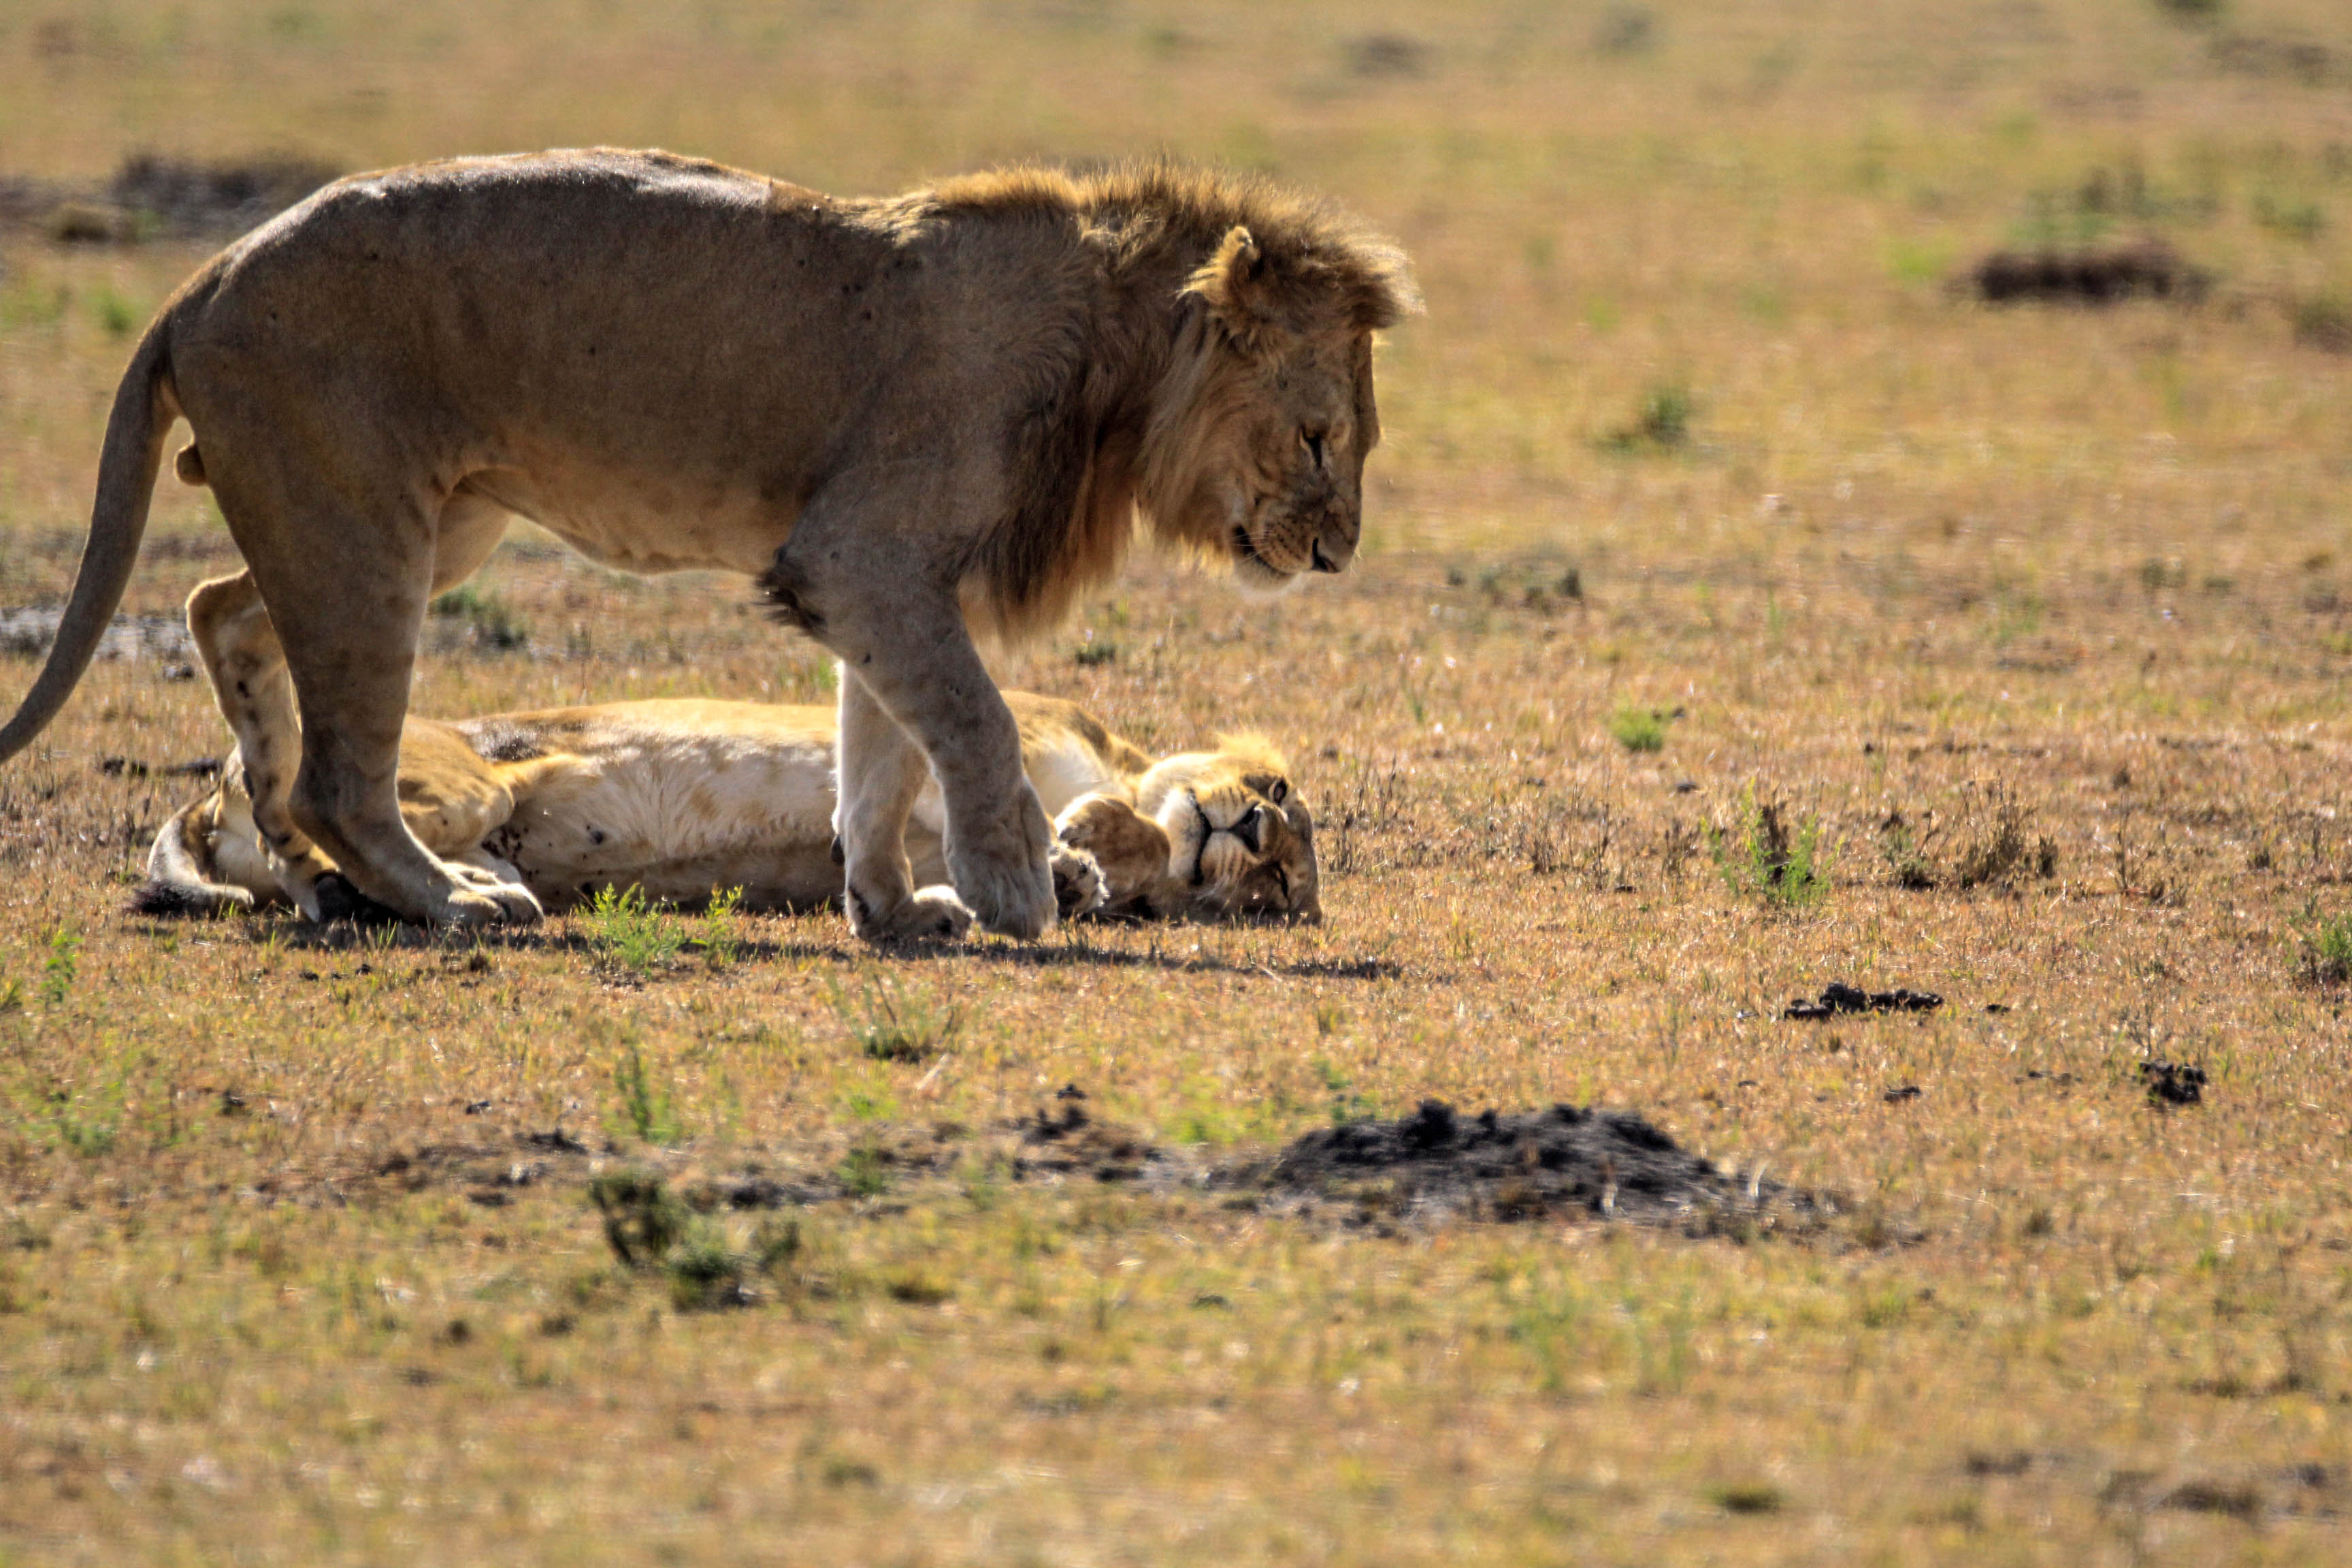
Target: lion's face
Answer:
[[1241, 842], [1291, 463], [1262, 459]]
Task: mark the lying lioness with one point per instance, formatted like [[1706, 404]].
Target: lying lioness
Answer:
[[686, 798]]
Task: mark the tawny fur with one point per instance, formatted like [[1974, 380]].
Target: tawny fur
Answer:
[[911, 418], [683, 798]]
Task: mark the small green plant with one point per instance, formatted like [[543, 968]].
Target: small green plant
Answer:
[[493, 625], [647, 1108], [642, 1220], [893, 1023], [1662, 424], [2324, 947], [115, 315], [1761, 856], [1638, 728], [58, 970], [651, 1232], [721, 943], [12, 996], [1907, 850], [2304, 221], [706, 1270], [1091, 653], [865, 1172], [628, 933], [1345, 1104]]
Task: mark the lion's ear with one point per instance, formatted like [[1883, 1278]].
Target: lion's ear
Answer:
[[1237, 283]]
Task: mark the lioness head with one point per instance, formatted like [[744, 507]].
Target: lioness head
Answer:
[[1267, 466], [1241, 842]]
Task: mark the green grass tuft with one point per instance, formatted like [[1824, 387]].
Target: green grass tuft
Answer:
[[1763, 856], [1638, 728], [627, 932]]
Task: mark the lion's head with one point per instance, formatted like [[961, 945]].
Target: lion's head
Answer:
[[1259, 458], [1241, 842]]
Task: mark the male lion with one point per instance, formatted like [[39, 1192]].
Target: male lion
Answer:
[[681, 798], [909, 417]]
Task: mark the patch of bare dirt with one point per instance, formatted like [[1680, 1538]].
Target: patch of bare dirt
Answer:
[[1431, 1168], [1437, 1164]]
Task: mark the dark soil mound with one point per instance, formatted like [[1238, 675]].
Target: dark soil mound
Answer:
[[2174, 1083], [1838, 998], [2099, 277], [1521, 1165], [1066, 1141]]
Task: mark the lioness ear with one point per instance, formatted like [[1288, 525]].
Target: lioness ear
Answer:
[[1236, 282]]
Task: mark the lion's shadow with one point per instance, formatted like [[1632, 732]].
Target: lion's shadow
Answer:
[[1074, 949]]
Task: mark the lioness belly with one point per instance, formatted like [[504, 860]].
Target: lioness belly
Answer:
[[682, 809]]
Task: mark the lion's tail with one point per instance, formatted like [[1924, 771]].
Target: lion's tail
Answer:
[[144, 407], [180, 875]]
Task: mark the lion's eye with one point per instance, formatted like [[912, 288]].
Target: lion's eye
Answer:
[[1313, 441], [1278, 791]]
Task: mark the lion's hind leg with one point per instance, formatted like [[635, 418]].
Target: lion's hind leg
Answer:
[[242, 658], [345, 589]]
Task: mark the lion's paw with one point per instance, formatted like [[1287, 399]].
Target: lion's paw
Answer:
[[1004, 879], [932, 914], [1079, 887], [479, 898]]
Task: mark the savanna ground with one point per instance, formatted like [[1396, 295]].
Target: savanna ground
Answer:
[[1703, 493]]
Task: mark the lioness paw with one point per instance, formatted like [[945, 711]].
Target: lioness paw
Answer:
[[932, 914], [1078, 883]]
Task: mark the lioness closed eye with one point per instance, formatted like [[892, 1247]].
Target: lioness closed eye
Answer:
[[680, 798], [908, 417]]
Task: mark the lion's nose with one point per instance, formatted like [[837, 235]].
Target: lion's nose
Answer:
[[1323, 563], [1251, 829]]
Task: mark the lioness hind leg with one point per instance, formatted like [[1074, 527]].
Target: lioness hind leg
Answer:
[[242, 658], [881, 772]]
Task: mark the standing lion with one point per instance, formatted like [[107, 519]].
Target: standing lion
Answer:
[[908, 417]]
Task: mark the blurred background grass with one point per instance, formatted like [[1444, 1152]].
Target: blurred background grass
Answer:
[[1753, 209]]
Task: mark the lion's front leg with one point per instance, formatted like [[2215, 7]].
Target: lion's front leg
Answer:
[[915, 664], [881, 772]]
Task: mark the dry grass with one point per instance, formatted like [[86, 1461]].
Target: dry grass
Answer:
[[2038, 615]]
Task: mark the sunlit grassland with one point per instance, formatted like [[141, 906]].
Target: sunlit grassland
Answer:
[[1694, 423]]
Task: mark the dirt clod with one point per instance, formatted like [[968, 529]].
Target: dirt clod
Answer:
[[2174, 1083], [2102, 275], [1070, 1142], [1839, 997], [1436, 1164]]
